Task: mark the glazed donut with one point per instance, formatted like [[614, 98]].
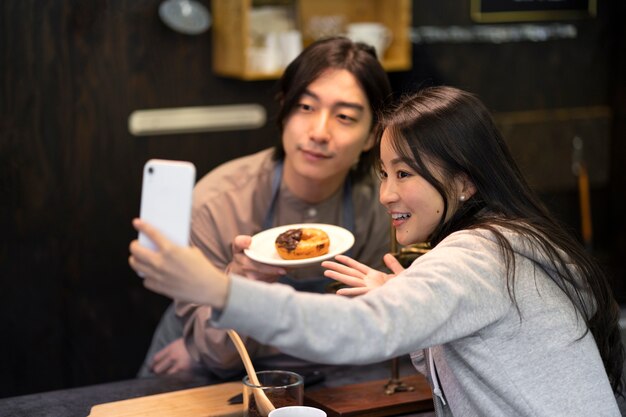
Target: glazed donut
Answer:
[[302, 243]]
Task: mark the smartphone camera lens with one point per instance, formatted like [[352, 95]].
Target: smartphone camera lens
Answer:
[[150, 170]]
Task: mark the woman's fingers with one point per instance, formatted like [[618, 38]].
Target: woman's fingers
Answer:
[[352, 292], [142, 259], [137, 258], [345, 279], [342, 269], [348, 261], [136, 265], [354, 274], [140, 252], [393, 264], [152, 233]]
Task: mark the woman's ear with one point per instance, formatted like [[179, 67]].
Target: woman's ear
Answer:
[[464, 186]]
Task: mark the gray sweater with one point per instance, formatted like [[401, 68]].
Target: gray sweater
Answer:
[[490, 360]]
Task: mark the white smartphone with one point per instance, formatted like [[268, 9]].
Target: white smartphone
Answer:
[[166, 197]]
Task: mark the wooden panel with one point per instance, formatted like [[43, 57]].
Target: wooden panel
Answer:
[[541, 142], [230, 40], [397, 17], [362, 11]]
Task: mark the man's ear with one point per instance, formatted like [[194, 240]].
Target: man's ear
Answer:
[[369, 142]]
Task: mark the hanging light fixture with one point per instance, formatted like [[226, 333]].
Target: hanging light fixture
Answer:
[[185, 16]]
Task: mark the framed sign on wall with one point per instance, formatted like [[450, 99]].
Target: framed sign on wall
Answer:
[[492, 11]]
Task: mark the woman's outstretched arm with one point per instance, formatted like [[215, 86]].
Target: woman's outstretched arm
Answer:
[[178, 272]]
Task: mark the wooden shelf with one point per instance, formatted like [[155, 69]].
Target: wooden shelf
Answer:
[[231, 29]]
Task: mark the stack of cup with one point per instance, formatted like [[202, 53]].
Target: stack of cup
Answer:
[[371, 33], [277, 51]]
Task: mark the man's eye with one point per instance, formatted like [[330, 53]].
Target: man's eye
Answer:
[[305, 107], [346, 118]]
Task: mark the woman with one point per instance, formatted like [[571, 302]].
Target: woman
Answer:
[[512, 315]]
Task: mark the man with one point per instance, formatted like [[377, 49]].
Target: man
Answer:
[[320, 172]]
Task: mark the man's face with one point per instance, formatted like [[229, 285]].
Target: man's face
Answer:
[[328, 129]]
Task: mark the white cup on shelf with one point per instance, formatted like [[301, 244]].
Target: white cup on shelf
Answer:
[[372, 33], [267, 57], [290, 43]]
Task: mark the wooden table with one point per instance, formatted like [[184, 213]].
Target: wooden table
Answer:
[[78, 402]]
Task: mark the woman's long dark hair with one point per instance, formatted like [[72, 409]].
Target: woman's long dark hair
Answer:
[[454, 130], [334, 53]]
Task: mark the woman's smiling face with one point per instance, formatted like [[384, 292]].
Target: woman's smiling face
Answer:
[[415, 206]]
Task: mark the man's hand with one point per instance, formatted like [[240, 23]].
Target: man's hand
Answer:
[[172, 359], [242, 265]]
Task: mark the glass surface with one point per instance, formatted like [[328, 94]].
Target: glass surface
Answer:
[[283, 388]]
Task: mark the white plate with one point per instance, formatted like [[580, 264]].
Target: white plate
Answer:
[[262, 248]]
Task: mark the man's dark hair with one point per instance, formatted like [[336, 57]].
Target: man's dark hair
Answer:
[[334, 53]]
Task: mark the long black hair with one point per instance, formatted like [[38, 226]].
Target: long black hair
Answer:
[[453, 129], [334, 53]]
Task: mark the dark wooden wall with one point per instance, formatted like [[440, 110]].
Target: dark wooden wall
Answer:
[[71, 311], [72, 72]]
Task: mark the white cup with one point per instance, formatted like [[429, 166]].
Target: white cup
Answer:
[[297, 411], [290, 46], [371, 33], [266, 58], [260, 59]]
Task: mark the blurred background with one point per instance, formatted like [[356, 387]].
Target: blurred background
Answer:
[[72, 312]]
